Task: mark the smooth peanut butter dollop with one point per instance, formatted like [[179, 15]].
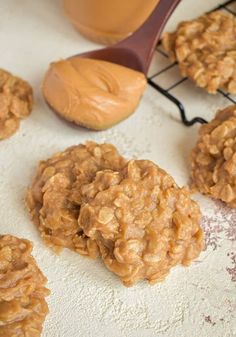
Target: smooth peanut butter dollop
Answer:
[[93, 93]]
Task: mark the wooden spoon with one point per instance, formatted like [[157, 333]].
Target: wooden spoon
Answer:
[[136, 51]]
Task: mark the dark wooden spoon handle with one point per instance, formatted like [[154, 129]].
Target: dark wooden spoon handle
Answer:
[[144, 40]]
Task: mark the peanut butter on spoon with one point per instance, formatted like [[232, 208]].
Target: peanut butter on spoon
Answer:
[[93, 93], [100, 88]]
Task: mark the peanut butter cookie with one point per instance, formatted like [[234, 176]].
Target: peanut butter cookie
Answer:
[[56, 194], [205, 49], [16, 100], [22, 290], [143, 223], [213, 160]]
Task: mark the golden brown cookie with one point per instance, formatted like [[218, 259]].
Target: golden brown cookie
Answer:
[[16, 101], [22, 290], [213, 160], [55, 197], [205, 49], [143, 222]]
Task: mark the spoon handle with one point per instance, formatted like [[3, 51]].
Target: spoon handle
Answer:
[[144, 40]]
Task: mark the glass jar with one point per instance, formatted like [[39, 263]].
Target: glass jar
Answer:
[[108, 21]]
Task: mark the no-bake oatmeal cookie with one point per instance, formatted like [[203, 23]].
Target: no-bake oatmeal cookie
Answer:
[[143, 223], [205, 49], [16, 101], [55, 197], [91, 200], [213, 160], [22, 290]]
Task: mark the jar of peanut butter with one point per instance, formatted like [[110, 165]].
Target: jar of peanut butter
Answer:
[[108, 21]]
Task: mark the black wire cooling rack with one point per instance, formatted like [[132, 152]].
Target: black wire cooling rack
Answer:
[[153, 79]]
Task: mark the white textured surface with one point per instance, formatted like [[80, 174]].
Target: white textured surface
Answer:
[[87, 300]]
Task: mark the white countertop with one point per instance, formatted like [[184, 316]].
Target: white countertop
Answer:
[[86, 299]]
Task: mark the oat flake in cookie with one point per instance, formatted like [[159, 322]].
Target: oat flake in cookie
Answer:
[[213, 160], [143, 223], [16, 101], [205, 49], [56, 194], [22, 290]]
